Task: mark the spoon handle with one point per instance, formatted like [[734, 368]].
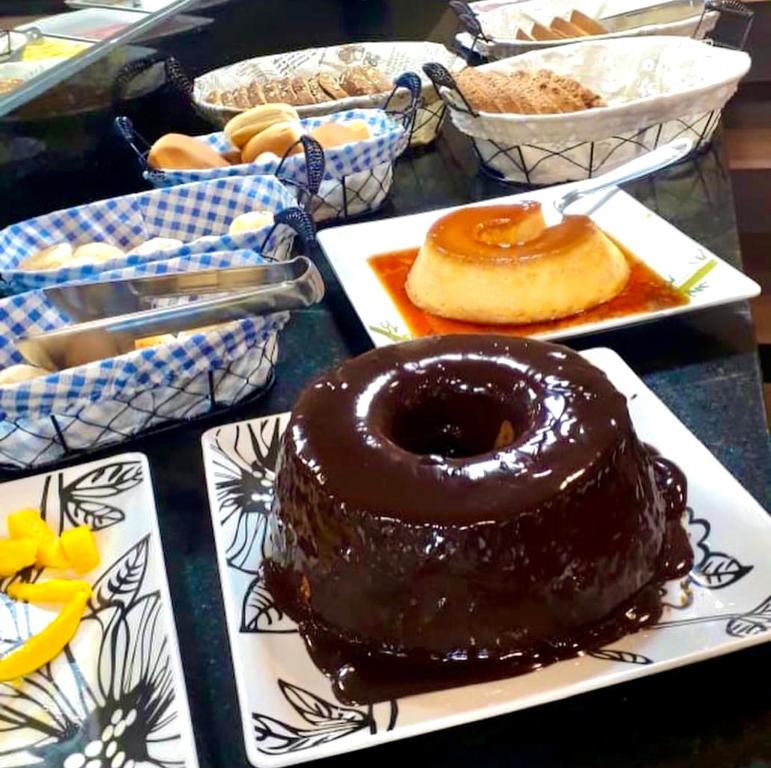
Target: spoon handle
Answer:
[[641, 166]]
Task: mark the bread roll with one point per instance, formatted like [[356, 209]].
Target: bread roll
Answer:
[[155, 244], [13, 374], [95, 253], [175, 151], [240, 129], [250, 222], [277, 139], [153, 341], [88, 347], [53, 257], [332, 134], [232, 157]]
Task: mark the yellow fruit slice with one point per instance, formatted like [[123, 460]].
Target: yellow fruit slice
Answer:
[[52, 591], [28, 524], [51, 555], [45, 645], [16, 554], [79, 547]]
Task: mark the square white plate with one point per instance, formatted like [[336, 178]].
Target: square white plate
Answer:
[[288, 711], [707, 279], [116, 695]]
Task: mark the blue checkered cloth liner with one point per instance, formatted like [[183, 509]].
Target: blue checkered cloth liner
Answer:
[[389, 140], [171, 363], [198, 214]]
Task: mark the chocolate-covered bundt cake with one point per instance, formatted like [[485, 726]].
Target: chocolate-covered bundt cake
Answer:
[[467, 502]]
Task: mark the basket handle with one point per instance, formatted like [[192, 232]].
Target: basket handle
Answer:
[[468, 20], [315, 164], [411, 82], [128, 72], [729, 8], [440, 76], [125, 129], [176, 77], [301, 223]]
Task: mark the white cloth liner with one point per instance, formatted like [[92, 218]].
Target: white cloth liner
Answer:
[[392, 58], [130, 220], [664, 84]]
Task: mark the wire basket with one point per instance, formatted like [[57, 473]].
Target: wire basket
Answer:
[[338, 183], [658, 89], [198, 214], [482, 36], [391, 58], [91, 406]]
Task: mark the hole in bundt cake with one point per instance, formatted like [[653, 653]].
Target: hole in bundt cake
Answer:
[[455, 424]]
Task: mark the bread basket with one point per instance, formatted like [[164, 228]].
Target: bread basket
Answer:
[[340, 182], [392, 58], [657, 89], [491, 34], [129, 220], [91, 406]]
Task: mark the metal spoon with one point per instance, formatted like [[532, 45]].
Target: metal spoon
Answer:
[[635, 169]]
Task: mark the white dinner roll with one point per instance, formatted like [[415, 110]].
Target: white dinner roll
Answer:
[[155, 244], [53, 257], [250, 222], [13, 374], [95, 253]]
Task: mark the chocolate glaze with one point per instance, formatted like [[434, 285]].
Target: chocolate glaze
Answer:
[[409, 547]]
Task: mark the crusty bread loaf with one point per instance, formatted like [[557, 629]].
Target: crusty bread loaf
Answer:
[[587, 23], [299, 90], [330, 84], [528, 93]]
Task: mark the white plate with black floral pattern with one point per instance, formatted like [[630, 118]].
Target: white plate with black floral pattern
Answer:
[[704, 278], [288, 710], [115, 697]]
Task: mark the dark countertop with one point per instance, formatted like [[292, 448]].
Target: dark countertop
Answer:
[[704, 366]]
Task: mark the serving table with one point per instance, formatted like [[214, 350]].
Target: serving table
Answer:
[[703, 365]]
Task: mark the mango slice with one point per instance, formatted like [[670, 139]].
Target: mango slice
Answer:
[[28, 524], [79, 547], [52, 591], [51, 555], [47, 644], [16, 554]]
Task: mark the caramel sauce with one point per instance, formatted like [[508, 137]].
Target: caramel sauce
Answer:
[[505, 233], [646, 291]]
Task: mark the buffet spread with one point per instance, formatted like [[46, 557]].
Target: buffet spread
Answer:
[[465, 504]]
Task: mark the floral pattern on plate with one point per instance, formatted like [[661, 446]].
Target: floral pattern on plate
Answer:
[[289, 713], [115, 697]]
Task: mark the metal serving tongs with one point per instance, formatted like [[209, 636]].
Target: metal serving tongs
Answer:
[[111, 316], [659, 158]]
